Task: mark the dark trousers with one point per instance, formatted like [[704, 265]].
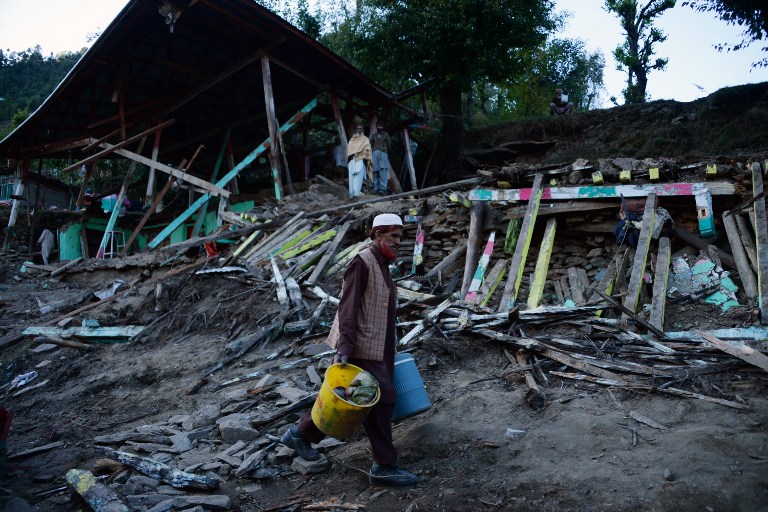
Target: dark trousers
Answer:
[[378, 428]]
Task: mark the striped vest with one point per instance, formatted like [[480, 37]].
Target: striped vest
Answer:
[[372, 325]]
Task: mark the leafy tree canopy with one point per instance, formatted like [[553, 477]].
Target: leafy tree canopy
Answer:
[[636, 54], [752, 15]]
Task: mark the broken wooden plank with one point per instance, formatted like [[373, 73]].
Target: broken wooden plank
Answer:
[[425, 323], [181, 175], [738, 349], [700, 244], [329, 253], [542, 265], [660, 278], [482, 265], [740, 255], [159, 471], [515, 274], [535, 398], [63, 343], [35, 450], [761, 234], [289, 227], [232, 174], [645, 420], [641, 254], [576, 286], [448, 261], [491, 282], [747, 238], [91, 333], [66, 267], [476, 214], [595, 192], [100, 497]]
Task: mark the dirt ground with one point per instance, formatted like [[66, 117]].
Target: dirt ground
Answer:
[[480, 447]]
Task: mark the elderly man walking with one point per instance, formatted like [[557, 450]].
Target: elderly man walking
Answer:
[[363, 333]]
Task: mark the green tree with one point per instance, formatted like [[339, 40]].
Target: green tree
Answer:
[[456, 42], [636, 54], [750, 14]]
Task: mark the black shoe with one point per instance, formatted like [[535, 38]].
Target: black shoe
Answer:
[[389, 474], [292, 439]]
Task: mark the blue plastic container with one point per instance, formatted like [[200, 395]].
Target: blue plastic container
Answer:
[[411, 396]]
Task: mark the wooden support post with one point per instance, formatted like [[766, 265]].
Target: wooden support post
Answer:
[[479, 277], [84, 187], [515, 274], [542, 265], [339, 123], [149, 212], [761, 234], [409, 159], [740, 255], [204, 209], [660, 277], [610, 277], [641, 255], [231, 174], [118, 205], [748, 239], [418, 249], [151, 180], [475, 227], [274, 147]]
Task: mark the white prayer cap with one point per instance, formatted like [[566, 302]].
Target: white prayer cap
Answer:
[[387, 219]]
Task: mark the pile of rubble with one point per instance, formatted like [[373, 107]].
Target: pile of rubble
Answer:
[[589, 310]]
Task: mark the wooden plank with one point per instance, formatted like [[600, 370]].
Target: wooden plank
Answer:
[[738, 349], [593, 192], [330, 251], [542, 265], [125, 331], [409, 159], [201, 213], [660, 277], [761, 234], [518, 212], [392, 197], [212, 189], [98, 496], [748, 239], [476, 215], [491, 282], [740, 255], [515, 274], [108, 231], [607, 282], [311, 244], [418, 249], [66, 267], [264, 248], [482, 265], [232, 174], [576, 286], [449, 260], [641, 255], [426, 322], [105, 152], [274, 147]]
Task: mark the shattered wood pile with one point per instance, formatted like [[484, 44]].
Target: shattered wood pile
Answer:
[[534, 270]]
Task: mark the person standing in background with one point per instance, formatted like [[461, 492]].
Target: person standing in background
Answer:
[[359, 152], [381, 144]]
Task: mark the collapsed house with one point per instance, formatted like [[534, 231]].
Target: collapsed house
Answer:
[[614, 274]]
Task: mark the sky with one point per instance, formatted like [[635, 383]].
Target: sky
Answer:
[[695, 68]]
